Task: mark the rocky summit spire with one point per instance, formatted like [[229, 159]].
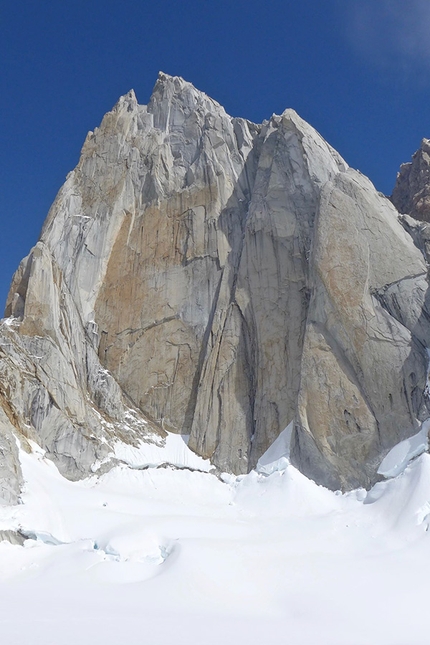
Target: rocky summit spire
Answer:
[[208, 276], [173, 100], [411, 194]]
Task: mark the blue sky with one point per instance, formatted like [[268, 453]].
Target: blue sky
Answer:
[[357, 70]]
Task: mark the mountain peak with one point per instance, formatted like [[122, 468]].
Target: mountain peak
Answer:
[[127, 101], [174, 98], [187, 279], [411, 193]]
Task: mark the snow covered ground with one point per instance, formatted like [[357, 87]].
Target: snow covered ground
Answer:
[[173, 555]]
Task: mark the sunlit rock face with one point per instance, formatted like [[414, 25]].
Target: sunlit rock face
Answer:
[[53, 390], [208, 276]]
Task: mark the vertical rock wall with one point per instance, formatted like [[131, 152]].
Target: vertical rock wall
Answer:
[[219, 279]]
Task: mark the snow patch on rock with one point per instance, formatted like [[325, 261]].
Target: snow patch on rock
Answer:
[[399, 457]]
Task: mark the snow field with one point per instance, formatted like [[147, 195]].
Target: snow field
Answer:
[[165, 555]]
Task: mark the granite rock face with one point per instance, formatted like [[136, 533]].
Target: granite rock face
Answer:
[[53, 390], [205, 275], [411, 193], [364, 364]]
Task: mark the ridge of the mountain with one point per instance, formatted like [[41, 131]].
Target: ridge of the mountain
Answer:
[[205, 275]]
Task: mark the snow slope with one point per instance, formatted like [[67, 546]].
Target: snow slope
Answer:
[[163, 554]]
